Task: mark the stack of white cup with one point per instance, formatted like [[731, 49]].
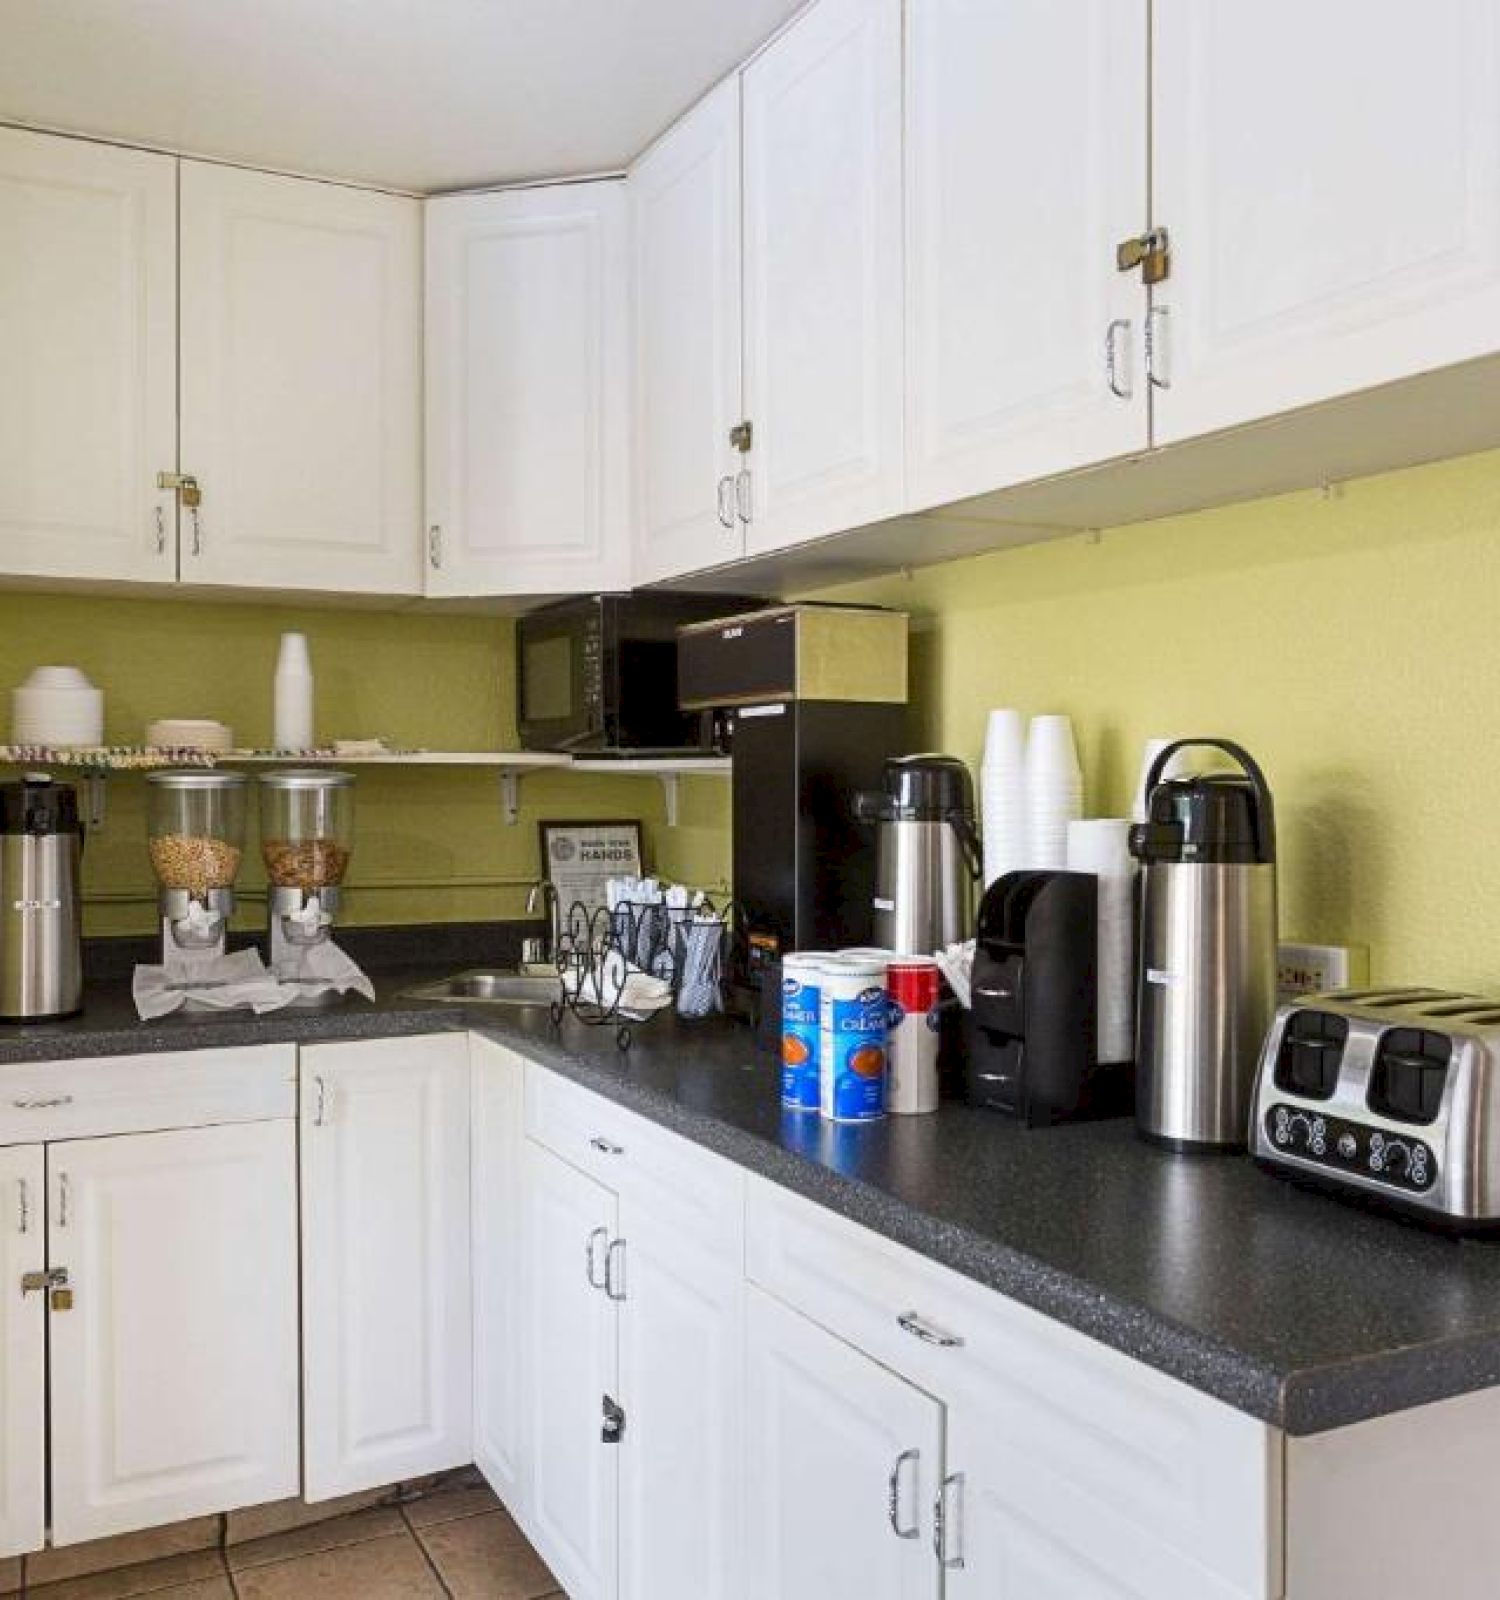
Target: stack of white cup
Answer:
[[1054, 790], [1002, 795], [1102, 847]]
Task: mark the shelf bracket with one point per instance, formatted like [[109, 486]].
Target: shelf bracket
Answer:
[[670, 789], [510, 797]]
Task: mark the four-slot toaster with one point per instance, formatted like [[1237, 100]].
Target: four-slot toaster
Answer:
[[1389, 1092]]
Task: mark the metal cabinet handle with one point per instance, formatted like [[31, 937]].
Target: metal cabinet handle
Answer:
[[614, 1288], [1157, 352], [435, 545], [197, 517], [64, 1191], [320, 1110], [50, 1103], [948, 1526], [893, 1496], [590, 1257], [726, 500], [928, 1332], [161, 531], [743, 500], [1119, 387], [23, 1206], [606, 1147]]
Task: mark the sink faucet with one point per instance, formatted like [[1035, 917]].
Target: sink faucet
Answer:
[[542, 896]]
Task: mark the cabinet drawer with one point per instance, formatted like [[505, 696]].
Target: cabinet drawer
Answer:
[[45, 1100], [702, 1192], [1137, 1455]]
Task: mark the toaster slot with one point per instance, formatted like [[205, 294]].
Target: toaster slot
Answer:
[[1411, 1067], [1312, 1047]]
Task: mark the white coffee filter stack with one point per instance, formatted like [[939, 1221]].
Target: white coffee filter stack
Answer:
[[57, 706], [1002, 795], [1102, 847], [1179, 764], [1054, 791]]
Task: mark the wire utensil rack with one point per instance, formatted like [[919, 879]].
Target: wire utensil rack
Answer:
[[620, 968]]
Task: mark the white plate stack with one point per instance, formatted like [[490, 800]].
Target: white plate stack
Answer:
[[58, 707], [1054, 791], [1002, 795], [1102, 847]]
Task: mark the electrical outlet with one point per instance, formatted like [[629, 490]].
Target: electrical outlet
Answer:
[[1316, 968]]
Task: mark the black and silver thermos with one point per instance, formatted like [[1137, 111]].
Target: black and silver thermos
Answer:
[[1207, 982], [41, 915]]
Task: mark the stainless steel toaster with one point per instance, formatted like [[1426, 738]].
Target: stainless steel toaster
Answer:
[[1394, 1093]]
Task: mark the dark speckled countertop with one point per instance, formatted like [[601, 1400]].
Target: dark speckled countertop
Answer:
[[1296, 1308]]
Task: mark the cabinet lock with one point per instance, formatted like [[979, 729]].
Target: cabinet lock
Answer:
[[54, 1281], [191, 496], [1151, 252], [741, 436], [614, 1421]]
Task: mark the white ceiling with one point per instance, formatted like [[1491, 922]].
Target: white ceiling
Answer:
[[406, 94]]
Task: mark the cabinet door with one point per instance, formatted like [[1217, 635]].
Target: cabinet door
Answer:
[[1026, 165], [823, 274], [174, 1372], [572, 1497], [528, 481], [497, 1145], [23, 1353], [301, 383], [685, 205], [1322, 243], [88, 347], [844, 1461], [386, 1331], [682, 1386]]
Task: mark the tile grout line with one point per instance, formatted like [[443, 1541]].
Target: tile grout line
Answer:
[[426, 1555]]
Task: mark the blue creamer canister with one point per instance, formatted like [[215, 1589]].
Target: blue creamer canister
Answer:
[[801, 1028], [856, 1024]]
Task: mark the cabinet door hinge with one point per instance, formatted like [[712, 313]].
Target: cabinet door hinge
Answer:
[[1151, 252], [741, 436], [614, 1421]]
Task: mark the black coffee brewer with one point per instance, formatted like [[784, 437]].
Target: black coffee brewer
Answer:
[[1033, 1030]]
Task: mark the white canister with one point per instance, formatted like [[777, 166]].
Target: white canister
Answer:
[[915, 987], [855, 1017]]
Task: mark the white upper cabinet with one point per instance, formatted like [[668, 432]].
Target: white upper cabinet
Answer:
[[174, 1370], [685, 207], [1330, 177], [823, 275], [386, 1332], [528, 391], [88, 353], [301, 383], [23, 1353], [1026, 155]]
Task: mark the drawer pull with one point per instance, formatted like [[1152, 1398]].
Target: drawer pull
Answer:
[[893, 1496], [591, 1258], [606, 1147], [929, 1333], [49, 1104]]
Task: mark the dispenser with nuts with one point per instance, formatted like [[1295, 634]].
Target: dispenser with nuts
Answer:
[[306, 828], [195, 827]]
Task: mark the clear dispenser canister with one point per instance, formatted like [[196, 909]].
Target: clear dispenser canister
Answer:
[[306, 828], [195, 830]]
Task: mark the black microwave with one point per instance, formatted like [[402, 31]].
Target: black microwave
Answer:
[[597, 675]]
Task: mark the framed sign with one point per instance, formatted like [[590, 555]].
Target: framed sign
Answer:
[[579, 859]]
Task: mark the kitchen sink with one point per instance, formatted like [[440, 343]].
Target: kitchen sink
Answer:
[[491, 988]]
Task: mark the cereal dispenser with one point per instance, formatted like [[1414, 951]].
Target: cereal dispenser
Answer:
[[195, 833], [306, 827]]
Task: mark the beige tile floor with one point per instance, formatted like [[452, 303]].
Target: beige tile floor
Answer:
[[454, 1542]]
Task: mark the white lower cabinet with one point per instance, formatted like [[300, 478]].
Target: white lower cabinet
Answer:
[[23, 1353], [844, 1463], [174, 1369], [386, 1317], [572, 1483]]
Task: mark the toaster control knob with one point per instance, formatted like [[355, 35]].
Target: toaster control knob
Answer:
[[1393, 1158]]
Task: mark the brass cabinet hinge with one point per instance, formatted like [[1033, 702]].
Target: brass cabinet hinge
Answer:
[[186, 486], [741, 436], [1151, 252]]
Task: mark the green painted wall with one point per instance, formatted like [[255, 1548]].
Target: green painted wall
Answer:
[[429, 842], [1351, 640]]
